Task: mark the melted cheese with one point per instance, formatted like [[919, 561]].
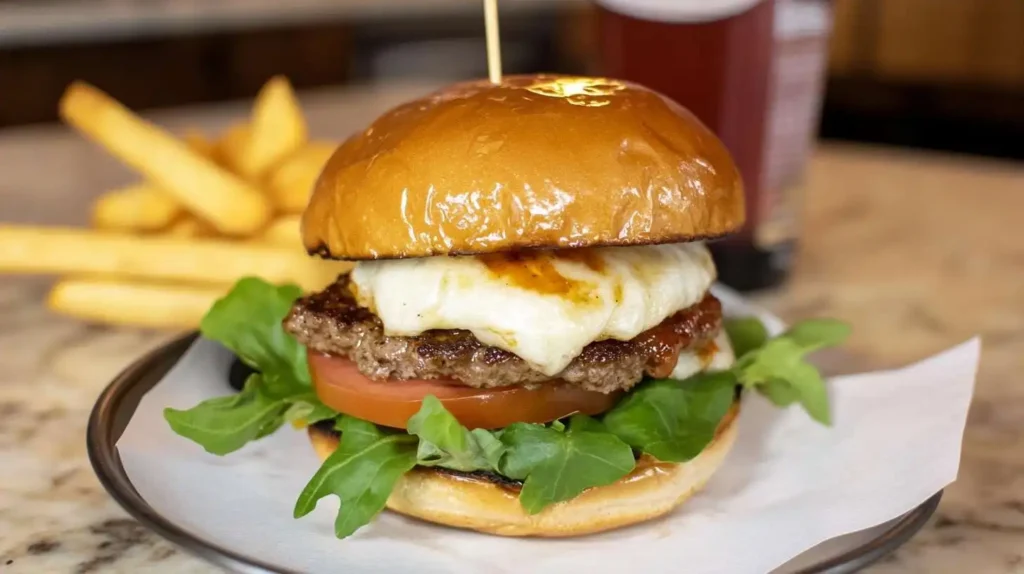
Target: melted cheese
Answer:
[[543, 306]]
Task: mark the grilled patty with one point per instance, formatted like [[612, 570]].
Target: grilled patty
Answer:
[[332, 322]]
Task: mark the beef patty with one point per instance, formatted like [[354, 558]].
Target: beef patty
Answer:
[[332, 322]]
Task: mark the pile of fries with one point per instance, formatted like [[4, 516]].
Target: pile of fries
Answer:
[[207, 212]]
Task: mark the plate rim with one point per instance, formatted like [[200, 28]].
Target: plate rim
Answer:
[[101, 441]]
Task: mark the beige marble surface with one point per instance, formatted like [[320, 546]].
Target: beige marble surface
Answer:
[[918, 251]]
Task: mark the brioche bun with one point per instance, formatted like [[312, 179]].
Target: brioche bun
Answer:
[[533, 162], [653, 489]]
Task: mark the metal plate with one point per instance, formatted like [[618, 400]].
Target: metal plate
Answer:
[[117, 404]]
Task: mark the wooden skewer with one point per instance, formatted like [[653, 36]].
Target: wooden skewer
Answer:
[[493, 41]]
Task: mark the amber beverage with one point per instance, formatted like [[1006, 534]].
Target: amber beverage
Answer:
[[752, 70]]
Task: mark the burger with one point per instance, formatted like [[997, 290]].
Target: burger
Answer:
[[526, 343]]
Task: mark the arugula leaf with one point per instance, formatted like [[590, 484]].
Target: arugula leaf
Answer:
[[587, 460], [580, 423], [774, 359], [492, 447], [779, 392], [527, 445], [225, 424], [777, 368], [361, 472], [781, 362], [559, 466], [248, 321], [745, 334], [673, 420], [808, 384], [445, 442], [815, 334], [307, 409], [358, 430]]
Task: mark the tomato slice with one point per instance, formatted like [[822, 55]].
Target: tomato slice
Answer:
[[341, 386]]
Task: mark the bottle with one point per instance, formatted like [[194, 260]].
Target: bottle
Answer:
[[753, 72]]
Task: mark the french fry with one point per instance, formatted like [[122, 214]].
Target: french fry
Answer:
[[190, 226], [283, 231], [232, 145], [232, 205], [291, 182], [278, 128], [200, 144], [60, 251], [140, 207], [137, 304]]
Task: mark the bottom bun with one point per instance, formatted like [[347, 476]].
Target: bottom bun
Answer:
[[470, 501]]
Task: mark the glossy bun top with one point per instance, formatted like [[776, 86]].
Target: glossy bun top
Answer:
[[533, 162]]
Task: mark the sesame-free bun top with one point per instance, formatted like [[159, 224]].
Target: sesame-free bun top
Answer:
[[533, 162]]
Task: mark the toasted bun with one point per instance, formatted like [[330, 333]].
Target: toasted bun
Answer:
[[535, 162], [653, 488]]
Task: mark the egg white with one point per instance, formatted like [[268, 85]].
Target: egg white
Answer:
[[691, 363], [630, 291]]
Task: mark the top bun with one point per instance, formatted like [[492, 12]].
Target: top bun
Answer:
[[533, 162]]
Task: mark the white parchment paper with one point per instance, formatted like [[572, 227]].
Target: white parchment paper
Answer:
[[788, 484]]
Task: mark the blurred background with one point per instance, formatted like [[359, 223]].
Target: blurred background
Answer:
[[946, 74], [880, 143]]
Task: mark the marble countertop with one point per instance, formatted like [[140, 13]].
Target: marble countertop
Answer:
[[918, 251]]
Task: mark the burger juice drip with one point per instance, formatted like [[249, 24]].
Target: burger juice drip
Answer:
[[752, 71]]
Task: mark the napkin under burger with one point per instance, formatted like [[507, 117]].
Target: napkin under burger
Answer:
[[527, 343]]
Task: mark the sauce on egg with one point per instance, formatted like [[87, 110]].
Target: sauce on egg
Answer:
[[535, 271], [707, 353], [586, 256]]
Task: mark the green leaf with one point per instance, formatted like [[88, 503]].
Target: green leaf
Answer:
[[745, 334], [358, 430], [779, 392], [270, 427], [493, 449], [527, 445], [673, 420], [429, 454], [815, 334], [248, 321], [307, 409], [810, 388], [773, 360], [559, 466], [225, 424], [445, 442], [361, 472], [581, 423], [779, 371]]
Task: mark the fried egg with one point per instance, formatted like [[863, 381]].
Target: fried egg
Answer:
[[544, 306], [691, 363]]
